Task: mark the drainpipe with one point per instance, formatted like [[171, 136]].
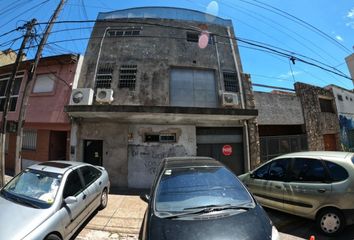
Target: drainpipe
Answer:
[[221, 87], [99, 55], [242, 97]]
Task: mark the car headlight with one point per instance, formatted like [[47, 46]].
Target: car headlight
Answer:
[[275, 233]]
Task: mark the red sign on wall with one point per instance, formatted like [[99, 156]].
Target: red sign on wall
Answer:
[[227, 150]]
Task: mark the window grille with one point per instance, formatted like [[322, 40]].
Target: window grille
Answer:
[[104, 76], [230, 82], [340, 97], [127, 76], [29, 141], [123, 32], [162, 137]]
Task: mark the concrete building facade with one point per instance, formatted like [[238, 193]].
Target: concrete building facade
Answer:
[[159, 82], [47, 126]]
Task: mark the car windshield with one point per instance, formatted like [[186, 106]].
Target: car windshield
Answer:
[[182, 189], [32, 187]]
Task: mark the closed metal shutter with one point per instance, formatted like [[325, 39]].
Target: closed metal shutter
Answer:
[[193, 88]]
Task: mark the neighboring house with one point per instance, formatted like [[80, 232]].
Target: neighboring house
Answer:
[[8, 57], [281, 124], [47, 126], [320, 116], [345, 108], [350, 63], [153, 85]]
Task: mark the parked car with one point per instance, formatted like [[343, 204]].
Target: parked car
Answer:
[[315, 185], [199, 198], [51, 200]]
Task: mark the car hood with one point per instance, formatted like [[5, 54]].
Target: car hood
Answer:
[[17, 220], [250, 225]]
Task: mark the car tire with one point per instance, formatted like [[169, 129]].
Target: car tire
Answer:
[[52, 237], [104, 199], [330, 221]]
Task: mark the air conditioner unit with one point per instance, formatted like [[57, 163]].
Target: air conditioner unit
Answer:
[[104, 95], [230, 99], [81, 96]]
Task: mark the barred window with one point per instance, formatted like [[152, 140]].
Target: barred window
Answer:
[[194, 37], [127, 76], [160, 137], [29, 141], [326, 105], [16, 89], [123, 32], [104, 76], [230, 82]]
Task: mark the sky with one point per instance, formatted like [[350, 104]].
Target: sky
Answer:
[[267, 22]]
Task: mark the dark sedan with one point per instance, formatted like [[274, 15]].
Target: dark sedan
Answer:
[[199, 198]]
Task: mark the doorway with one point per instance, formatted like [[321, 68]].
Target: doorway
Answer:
[[93, 150], [330, 142]]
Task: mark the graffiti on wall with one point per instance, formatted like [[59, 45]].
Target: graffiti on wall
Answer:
[[346, 132]]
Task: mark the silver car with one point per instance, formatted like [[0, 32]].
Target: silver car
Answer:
[[51, 200], [315, 185]]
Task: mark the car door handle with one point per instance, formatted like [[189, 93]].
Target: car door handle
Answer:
[[84, 197], [100, 183], [321, 190]]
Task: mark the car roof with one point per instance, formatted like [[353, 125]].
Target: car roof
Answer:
[[333, 155], [59, 167], [191, 161]]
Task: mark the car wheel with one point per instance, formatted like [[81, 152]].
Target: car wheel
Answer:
[[330, 221], [104, 199], [52, 237]]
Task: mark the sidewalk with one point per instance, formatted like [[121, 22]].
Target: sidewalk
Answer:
[[121, 219]]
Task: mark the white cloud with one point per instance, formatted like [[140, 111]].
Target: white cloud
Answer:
[[350, 24], [339, 38], [289, 74], [351, 13]]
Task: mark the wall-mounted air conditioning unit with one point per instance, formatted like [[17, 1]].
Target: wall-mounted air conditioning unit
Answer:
[[81, 96], [230, 99], [104, 95]]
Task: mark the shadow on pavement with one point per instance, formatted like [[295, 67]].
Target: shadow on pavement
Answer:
[[84, 225], [129, 192], [303, 228]]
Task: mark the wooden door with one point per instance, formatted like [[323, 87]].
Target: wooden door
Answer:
[[330, 142]]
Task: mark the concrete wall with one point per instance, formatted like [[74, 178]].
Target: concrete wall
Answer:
[[155, 52], [144, 157], [317, 123], [278, 109]]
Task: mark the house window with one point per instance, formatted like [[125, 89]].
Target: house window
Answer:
[[326, 105], [127, 76], [123, 32], [162, 137], [194, 37], [340, 97], [16, 89], [44, 83], [104, 76], [29, 141], [230, 82]]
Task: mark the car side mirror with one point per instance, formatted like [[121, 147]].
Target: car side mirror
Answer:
[[70, 200], [145, 198], [252, 175]]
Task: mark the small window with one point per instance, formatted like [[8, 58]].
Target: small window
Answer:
[[44, 83], [340, 97], [16, 89], [326, 105], [230, 82], [127, 76], [192, 37], [346, 97], [29, 141], [163, 137], [73, 185], [336, 172], [104, 76], [169, 137], [152, 137], [123, 32], [351, 99], [262, 172], [278, 169]]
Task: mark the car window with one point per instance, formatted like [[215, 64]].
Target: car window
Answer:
[[73, 185], [182, 188], [277, 169], [90, 174], [307, 170], [262, 172], [336, 172]]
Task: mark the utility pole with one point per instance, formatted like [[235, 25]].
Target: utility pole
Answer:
[[8, 92], [26, 93]]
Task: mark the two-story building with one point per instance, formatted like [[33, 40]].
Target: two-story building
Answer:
[[158, 82], [47, 126]]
